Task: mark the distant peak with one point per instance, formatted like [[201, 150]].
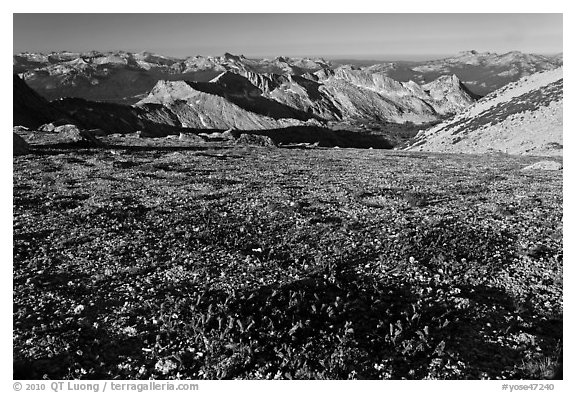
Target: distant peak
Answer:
[[468, 52], [230, 56], [446, 80], [515, 53]]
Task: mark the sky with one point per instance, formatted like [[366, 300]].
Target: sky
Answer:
[[347, 35]]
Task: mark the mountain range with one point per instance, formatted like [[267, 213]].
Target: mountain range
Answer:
[[482, 72], [262, 100], [124, 92], [124, 77], [247, 100]]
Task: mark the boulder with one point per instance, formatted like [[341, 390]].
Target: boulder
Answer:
[[131, 134], [49, 127], [20, 146], [255, 140], [144, 134], [190, 137], [80, 137], [65, 128], [544, 166], [230, 134], [217, 136]]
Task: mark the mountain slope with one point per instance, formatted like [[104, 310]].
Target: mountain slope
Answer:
[[446, 95], [32, 111], [117, 118], [524, 117], [228, 101], [29, 109]]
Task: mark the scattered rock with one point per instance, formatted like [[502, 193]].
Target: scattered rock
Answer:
[[142, 134], [51, 127], [65, 128], [77, 136], [165, 366], [544, 166], [526, 338], [190, 137], [20, 146], [218, 136], [301, 145], [230, 134], [47, 127], [256, 140], [537, 251], [32, 136], [19, 128]]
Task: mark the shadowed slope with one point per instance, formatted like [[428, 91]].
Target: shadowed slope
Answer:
[[29, 108]]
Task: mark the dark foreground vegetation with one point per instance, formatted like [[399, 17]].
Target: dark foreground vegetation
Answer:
[[213, 261]]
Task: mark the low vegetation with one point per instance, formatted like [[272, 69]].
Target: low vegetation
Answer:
[[170, 259]]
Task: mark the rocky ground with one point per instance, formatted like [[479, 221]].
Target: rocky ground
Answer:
[[179, 259]]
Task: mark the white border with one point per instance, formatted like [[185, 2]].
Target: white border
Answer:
[[305, 6]]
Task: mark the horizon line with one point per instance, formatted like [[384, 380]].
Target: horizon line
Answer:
[[364, 57]]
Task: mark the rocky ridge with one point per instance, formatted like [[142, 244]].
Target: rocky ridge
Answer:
[[226, 102], [258, 101]]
